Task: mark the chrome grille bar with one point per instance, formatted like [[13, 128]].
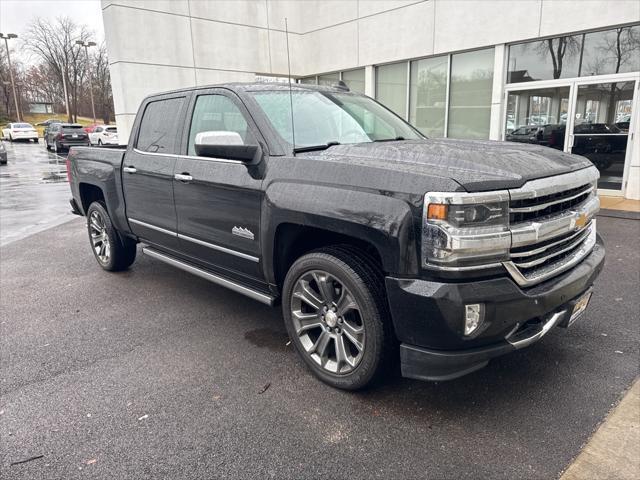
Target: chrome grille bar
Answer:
[[539, 261], [542, 206]]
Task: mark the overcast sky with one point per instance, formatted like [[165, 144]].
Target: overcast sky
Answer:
[[15, 15]]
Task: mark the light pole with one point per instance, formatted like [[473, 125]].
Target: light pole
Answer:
[[7, 37], [86, 46]]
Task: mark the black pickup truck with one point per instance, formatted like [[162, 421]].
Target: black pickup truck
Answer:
[[378, 243]]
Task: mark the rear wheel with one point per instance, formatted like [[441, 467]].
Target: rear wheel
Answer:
[[113, 251], [99, 142], [336, 314]]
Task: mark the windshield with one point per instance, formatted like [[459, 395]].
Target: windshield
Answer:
[[22, 125], [322, 118]]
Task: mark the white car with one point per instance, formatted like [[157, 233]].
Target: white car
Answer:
[[104, 135], [19, 131]]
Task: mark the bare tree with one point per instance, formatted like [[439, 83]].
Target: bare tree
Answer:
[[102, 83], [54, 43], [557, 49]]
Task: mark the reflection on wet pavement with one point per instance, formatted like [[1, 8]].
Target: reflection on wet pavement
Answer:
[[34, 193]]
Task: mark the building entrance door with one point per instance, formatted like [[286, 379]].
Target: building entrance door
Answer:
[[601, 126], [586, 117]]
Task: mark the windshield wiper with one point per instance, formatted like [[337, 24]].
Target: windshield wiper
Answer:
[[389, 139], [314, 148]]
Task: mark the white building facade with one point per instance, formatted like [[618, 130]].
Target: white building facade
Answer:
[[561, 73]]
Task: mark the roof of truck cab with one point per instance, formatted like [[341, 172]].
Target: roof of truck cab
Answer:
[[258, 86]]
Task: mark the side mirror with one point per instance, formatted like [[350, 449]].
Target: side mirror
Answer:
[[226, 145]]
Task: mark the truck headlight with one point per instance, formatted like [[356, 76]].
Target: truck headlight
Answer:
[[465, 230]]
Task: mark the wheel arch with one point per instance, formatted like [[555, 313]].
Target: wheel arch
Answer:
[[300, 218]]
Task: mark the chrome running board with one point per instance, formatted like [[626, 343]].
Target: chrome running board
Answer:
[[236, 287]]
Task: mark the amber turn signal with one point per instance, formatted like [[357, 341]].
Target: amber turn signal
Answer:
[[437, 211]]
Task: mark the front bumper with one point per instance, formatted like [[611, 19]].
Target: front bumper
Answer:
[[428, 317]]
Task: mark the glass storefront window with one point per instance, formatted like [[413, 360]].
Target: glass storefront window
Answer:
[[354, 80], [538, 116], [544, 59], [329, 79], [428, 95], [470, 92], [391, 87], [612, 51], [596, 53], [307, 80]]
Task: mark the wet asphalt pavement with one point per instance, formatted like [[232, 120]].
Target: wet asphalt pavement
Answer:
[[154, 373], [34, 192]]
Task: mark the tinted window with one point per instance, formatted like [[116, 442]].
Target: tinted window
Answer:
[[98, 129], [217, 113], [391, 87], [428, 97], [159, 126], [111, 129], [470, 93]]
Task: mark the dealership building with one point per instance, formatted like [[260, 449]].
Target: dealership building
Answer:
[[560, 73]]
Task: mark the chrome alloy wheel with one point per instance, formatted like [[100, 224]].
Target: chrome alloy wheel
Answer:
[[99, 237], [328, 322]]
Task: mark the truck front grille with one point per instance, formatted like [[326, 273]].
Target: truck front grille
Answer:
[[539, 207], [552, 225]]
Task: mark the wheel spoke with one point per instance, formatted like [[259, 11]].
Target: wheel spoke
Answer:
[[306, 321], [354, 335], [341, 353], [307, 295], [325, 285], [346, 303], [320, 347]]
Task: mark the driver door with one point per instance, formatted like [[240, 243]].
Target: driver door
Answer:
[[217, 200]]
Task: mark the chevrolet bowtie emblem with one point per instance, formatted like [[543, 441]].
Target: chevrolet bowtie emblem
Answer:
[[581, 221]]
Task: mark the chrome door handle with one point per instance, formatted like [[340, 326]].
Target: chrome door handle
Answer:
[[129, 169], [183, 177]]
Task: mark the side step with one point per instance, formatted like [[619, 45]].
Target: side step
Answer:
[[236, 287]]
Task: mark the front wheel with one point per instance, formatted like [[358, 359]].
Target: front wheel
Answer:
[[336, 314], [112, 251]]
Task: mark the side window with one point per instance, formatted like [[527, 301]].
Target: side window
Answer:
[[159, 126], [98, 129], [217, 113]]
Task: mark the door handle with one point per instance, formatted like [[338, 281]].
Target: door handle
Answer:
[[183, 177], [129, 169]]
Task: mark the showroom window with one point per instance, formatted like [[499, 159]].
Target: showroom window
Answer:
[[391, 87], [354, 80], [328, 79], [596, 53], [470, 90], [428, 95]]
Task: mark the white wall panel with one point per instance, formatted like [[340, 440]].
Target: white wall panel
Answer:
[[397, 34], [563, 16], [213, 77], [307, 15], [230, 47], [328, 49], [245, 12], [133, 82], [178, 7], [371, 7], [467, 24], [135, 35]]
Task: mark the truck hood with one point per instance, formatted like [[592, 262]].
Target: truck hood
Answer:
[[475, 164]]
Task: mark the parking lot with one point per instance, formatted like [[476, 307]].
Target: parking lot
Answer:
[[153, 373]]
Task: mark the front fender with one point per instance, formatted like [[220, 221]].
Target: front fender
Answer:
[[383, 221]]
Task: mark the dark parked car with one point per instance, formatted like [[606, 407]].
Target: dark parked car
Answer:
[[378, 242], [62, 136], [523, 134]]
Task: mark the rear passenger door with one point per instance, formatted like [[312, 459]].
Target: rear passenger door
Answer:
[[218, 207], [148, 168]]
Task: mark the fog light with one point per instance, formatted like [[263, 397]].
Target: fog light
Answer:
[[473, 317]]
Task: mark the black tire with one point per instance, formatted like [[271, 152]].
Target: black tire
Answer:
[[365, 281], [99, 142], [122, 250]]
